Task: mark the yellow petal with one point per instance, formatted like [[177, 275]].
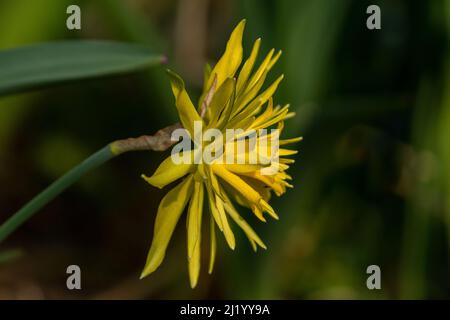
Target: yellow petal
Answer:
[[274, 59], [228, 233], [287, 152], [289, 141], [237, 183], [228, 64], [255, 83], [241, 123], [275, 117], [258, 212], [239, 198], [265, 116], [226, 112], [290, 115], [260, 100], [261, 71], [194, 264], [220, 101], [169, 212], [266, 207], [213, 208], [217, 211], [194, 220], [267, 180], [259, 187], [213, 248], [287, 161], [248, 66], [186, 110], [194, 232], [245, 97], [250, 233], [215, 183], [253, 244], [168, 172], [242, 168], [257, 203]]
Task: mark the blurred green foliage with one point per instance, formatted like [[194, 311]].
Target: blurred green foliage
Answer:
[[371, 179]]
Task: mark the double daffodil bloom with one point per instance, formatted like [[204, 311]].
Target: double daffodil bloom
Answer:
[[231, 99]]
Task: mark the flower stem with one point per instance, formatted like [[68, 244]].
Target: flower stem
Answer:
[[160, 141], [53, 190]]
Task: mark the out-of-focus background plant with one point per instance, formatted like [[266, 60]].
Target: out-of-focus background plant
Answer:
[[372, 180]]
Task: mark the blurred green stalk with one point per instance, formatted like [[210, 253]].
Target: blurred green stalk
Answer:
[[160, 141], [54, 190]]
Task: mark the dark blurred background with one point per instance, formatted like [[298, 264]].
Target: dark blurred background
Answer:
[[372, 179]]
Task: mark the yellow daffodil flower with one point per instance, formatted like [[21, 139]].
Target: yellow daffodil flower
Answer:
[[231, 99]]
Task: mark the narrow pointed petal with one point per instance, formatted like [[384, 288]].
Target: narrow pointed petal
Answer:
[[194, 264], [228, 64], [274, 59], [186, 110], [258, 212], [195, 218], [248, 95], [242, 168], [260, 100], [213, 247], [287, 152], [227, 232], [169, 212], [267, 180], [168, 172], [289, 141], [194, 232], [223, 118], [269, 209], [248, 66], [287, 161], [220, 101], [236, 182], [250, 233], [262, 69], [213, 208]]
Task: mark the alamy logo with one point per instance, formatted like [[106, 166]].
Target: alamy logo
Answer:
[[374, 280], [73, 21], [237, 146], [374, 20], [73, 281]]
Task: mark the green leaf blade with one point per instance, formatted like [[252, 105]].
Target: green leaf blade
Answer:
[[46, 64]]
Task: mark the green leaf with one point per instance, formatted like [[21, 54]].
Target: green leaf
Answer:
[[45, 64]]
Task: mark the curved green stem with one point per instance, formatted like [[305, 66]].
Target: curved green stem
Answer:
[[160, 141], [53, 190]]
